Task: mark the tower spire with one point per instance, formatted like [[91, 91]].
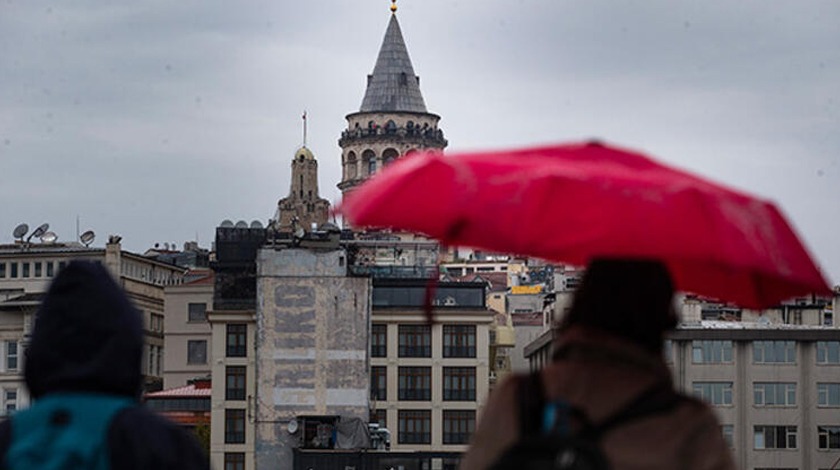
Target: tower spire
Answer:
[[393, 6]]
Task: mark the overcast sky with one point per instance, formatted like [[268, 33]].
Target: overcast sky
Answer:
[[156, 120]]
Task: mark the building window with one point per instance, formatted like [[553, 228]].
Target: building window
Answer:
[[371, 166], [828, 394], [25, 269], [728, 432], [13, 270], [11, 355], [379, 340], [828, 317], [234, 461], [234, 426], [714, 393], [50, 272], [828, 437], [774, 394], [459, 383], [2, 270], [197, 352], [235, 383], [151, 362], [711, 352], [38, 269], [668, 351], [379, 383], [415, 383], [156, 322], [458, 426], [380, 416], [774, 352], [828, 352], [415, 426], [197, 312], [415, 341], [61, 265], [10, 400], [236, 339], [458, 340], [774, 437]]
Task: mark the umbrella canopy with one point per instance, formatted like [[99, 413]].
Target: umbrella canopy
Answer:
[[574, 203]]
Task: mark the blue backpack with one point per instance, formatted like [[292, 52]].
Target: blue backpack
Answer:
[[64, 431]]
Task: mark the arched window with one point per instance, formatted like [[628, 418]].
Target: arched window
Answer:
[[389, 155], [351, 165], [390, 127], [369, 158]]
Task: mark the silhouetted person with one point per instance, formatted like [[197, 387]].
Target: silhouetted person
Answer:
[[83, 372], [608, 354]]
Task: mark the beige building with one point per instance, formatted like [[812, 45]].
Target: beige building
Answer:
[[26, 270], [187, 341], [772, 377], [428, 382]]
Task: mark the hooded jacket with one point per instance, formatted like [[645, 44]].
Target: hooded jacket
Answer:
[[88, 338]]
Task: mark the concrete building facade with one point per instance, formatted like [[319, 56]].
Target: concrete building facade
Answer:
[[188, 334]]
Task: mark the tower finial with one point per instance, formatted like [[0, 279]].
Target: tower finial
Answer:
[[393, 6], [304, 128]]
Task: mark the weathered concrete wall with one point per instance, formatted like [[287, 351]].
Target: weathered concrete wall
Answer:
[[311, 345]]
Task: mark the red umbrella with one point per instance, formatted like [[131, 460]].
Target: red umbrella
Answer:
[[573, 203]]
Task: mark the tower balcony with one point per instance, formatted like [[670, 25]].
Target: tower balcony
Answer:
[[424, 137]]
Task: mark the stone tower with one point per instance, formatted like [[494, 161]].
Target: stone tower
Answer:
[[393, 119], [303, 203]]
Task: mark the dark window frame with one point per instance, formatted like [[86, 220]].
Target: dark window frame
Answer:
[[459, 383], [459, 341], [196, 312], [458, 426], [414, 383], [379, 340], [414, 426], [415, 341], [236, 340], [234, 426], [235, 379]]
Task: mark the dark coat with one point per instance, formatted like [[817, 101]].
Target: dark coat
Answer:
[[89, 338]]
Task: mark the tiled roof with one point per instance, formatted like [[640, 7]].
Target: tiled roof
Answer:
[[187, 391], [393, 86]]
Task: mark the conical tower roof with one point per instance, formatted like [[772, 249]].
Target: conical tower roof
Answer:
[[393, 87]]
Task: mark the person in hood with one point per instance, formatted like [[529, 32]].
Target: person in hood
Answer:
[[609, 354], [83, 362]]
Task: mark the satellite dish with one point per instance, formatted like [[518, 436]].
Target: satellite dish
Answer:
[[241, 224], [49, 237], [42, 229], [292, 427], [226, 224], [20, 231], [87, 237], [256, 224]]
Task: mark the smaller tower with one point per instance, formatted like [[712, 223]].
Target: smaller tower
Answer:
[[303, 206]]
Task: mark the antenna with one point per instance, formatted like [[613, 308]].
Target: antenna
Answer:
[[304, 128], [42, 229], [20, 231]]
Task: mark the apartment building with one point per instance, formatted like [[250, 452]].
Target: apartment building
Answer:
[[772, 377], [429, 381], [187, 341], [26, 270]]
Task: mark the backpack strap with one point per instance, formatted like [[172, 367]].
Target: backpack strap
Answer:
[[658, 398], [531, 400]]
